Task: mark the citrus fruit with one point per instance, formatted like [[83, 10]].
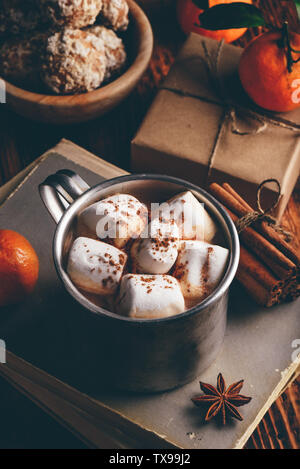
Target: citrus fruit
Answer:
[[19, 267], [264, 74], [188, 14]]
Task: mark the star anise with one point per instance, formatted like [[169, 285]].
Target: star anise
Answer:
[[222, 399]]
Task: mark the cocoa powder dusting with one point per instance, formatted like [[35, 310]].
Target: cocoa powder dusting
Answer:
[[180, 270], [205, 270]]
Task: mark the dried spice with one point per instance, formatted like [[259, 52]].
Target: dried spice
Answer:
[[222, 400], [269, 267]]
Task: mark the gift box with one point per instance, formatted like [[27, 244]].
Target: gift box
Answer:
[[202, 127]]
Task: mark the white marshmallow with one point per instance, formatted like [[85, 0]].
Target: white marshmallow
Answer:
[[190, 215], [116, 218], [157, 249], [96, 267], [150, 296], [199, 268]]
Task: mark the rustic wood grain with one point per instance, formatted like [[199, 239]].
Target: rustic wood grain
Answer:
[[280, 428], [109, 137]]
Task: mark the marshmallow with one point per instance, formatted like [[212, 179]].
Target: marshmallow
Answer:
[[157, 249], [190, 215], [96, 267], [150, 296], [199, 268], [116, 218]]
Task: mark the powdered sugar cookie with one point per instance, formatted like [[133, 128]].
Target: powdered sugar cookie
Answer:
[[114, 50], [114, 14], [71, 13], [75, 62]]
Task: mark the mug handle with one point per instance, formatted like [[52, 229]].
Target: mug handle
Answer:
[[60, 190]]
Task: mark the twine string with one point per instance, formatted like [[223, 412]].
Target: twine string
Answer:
[[264, 214], [229, 116], [230, 109]]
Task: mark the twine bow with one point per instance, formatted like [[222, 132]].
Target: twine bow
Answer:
[[263, 214], [230, 109]]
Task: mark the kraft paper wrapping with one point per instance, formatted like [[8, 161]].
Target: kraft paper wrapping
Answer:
[[179, 132]]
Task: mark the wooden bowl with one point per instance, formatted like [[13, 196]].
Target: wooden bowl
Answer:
[[83, 107]]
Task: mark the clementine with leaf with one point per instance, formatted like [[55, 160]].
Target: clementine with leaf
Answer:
[[268, 74], [188, 17], [19, 267]]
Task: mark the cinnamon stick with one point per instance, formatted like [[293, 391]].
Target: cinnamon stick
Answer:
[[253, 267], [254, 288], [291, 289], [237, 196], [264, 228], [277, 261], [269, 267], [257, 279], [269, 254]]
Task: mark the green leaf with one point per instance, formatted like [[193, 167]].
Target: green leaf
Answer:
[[297, 2], [231, 16], [202, 4]]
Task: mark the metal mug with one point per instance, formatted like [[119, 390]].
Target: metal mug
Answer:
[[135, 354]]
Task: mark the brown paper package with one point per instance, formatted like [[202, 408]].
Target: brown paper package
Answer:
[[179, 132]]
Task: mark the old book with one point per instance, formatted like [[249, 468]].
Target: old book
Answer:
[[260, 346]]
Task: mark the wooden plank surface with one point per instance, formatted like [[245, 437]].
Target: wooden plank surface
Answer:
[[109, 137]]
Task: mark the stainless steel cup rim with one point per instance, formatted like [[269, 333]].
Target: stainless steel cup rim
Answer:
[[83, 199]]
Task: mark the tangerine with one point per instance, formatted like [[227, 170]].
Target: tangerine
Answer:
[[188, 16], [19, 267], [264, 74]]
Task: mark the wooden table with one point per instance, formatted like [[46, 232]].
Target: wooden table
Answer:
[[109, 137]]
